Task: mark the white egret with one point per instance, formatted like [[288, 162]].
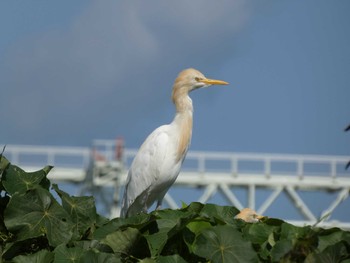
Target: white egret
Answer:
[[158, 161]]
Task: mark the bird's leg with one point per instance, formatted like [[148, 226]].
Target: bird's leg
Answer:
[[145, 209], [159, 205]]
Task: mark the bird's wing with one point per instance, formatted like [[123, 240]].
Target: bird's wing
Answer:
[[144, 170]]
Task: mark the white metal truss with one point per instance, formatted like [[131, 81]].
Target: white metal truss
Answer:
[[212, 173]]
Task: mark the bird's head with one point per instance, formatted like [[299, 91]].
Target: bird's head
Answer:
[[249, 215], [191, 79]]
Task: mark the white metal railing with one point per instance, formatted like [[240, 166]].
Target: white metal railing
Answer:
[[213, 171], [235, 164], [39, 156], [326, 165], [333, 166], [264, 164]]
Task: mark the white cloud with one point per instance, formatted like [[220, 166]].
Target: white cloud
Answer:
[[113, 61]]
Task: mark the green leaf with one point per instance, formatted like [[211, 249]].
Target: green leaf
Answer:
[[175, 215], [99, 257], [81, 209], [156, 242], [273, 221], [331, 239], [17, 180], [63, 254], [280, 249], [147, 260], [294, 233], [37, 213], [224, 244], [93, 245], [294, 243], [194, 207], [138, 221], [197, 226], [122, 241], [171, 259], [4, 163], [43, 256], [219, 214], [24, 247], [258, 233], [168, 224], [262, 236], [183, 204], [334, 253]]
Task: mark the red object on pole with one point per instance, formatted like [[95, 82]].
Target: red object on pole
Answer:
[[119, 148]]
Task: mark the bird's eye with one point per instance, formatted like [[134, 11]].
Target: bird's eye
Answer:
[[197, 79]]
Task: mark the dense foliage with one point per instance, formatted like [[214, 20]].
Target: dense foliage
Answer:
[[35, 227]]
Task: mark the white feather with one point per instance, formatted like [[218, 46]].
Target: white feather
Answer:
[[154, 169]]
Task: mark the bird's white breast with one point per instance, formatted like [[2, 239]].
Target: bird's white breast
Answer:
[[156, 165]]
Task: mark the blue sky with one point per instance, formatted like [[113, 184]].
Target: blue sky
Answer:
[[75, 71]]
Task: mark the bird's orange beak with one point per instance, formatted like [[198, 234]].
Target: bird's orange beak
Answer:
[[214, 82]]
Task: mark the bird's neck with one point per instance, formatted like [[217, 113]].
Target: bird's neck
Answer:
[[183, 121]]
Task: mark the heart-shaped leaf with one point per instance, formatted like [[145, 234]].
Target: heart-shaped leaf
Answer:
[[224, 244], [16, 180], [81, 209], [63, 254], [91, 256], [220, 214], [122, 241], [44, 216], [171, 259], [43, 256]]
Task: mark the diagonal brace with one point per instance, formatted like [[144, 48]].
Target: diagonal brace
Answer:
[[268, 202], [208, 193], [299, 203], [343, 194], [231, 196]]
